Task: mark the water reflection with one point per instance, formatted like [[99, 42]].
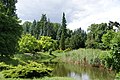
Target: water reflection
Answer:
[[79, 72], [74, 76]]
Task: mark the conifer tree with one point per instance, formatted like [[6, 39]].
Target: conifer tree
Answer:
[[10, 30], [63, 35]]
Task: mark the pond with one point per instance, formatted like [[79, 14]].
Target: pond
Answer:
[[82, 72]]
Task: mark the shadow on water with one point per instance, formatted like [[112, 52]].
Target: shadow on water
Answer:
[[80, 72]]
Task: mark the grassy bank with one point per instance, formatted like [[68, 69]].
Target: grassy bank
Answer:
[[46, 78], [81, 55]]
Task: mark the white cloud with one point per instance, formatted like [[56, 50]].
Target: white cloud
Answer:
[[79, 13]]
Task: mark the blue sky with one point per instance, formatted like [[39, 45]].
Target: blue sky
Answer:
[[79, 13]]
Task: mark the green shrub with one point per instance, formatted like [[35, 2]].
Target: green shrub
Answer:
[[27, 43], [3, 66], [31, 70], [117, 77], [115, 53]]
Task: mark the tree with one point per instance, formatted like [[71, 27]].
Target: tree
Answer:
[[56, 26], [77, 39], [107, 38], [114, 60], [9, 7], [95, 33], [38, 30], [43, 24], [33, 28], [50, 30], [59, 32], [63, 35], [26, 27], [41, 27], [114, 24], [10, 30], [67, 43], [63, 27]]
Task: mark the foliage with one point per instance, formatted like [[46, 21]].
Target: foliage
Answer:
[[45, 78], [33, 28], [58, 51], [117, 77], [115, 52], [77, 39], [43, 27], [106, 38], [95, 33], [66, 37], [48, 43], [10, 31], [26, 27], [9, 7], [63, 33], [31, 70], [27, 43], [68, 49], [3, 66], [80, 54], [114, 24]]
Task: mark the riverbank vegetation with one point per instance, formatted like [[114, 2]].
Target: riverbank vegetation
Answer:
[[24, 48]]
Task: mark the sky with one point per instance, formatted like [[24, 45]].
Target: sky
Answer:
[[79, 13]]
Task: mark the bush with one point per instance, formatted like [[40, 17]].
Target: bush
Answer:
[[27, 43], [3, 66], [117, 77], [113, 58], [115, 52], [29, 71]]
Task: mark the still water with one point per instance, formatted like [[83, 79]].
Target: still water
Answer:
[[81, 72]]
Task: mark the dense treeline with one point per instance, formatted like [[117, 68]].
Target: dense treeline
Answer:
[[96, 32], [65, 38]]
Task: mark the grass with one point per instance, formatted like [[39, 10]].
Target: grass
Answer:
[[56, 78], [46, 78], [80, 54]]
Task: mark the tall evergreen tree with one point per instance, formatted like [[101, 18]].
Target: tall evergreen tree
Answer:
[[10, 30], [64, 31], [33, 28], [50, 31], [59, 32], [38, 30], [26, 27], [43, 24]]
